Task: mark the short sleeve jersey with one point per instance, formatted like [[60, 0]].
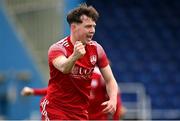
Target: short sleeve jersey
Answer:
[[70, 92]]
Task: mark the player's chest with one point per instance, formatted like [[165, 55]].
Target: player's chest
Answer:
[[85, 65], [89, 59]]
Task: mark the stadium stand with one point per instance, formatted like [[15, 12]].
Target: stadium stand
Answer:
[[142, 41], [16, 70]]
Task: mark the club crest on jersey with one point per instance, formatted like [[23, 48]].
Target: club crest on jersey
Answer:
[[93, 59]]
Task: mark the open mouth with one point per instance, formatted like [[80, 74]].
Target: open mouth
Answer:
[[89, 37]]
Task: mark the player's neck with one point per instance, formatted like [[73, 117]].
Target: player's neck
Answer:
[[72, 39]]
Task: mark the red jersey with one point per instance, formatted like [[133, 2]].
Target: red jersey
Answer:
[[98, 96], [68, 94]]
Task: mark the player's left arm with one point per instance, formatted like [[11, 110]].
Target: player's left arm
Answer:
[[120, 109], [112, 89], [28, 91]]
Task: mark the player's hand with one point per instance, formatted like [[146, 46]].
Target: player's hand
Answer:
[[79, 49], [27, 91], [110, 106]]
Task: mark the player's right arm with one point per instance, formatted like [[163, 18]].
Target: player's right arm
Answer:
[[65, 64]]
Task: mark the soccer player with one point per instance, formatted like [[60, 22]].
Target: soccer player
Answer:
[[71, 63]]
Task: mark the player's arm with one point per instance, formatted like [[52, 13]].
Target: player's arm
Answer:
[[112, 89], [40, 91], [64, 64], [28, 91], [120, 109]]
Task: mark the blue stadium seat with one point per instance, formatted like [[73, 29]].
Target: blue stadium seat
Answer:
[[144, 45]]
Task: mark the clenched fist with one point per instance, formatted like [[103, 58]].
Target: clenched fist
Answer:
[[79, 49], [27, 91]]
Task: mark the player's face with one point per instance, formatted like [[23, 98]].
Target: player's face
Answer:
[[86, 29]]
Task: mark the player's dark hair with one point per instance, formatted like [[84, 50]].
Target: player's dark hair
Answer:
[[74, 15]]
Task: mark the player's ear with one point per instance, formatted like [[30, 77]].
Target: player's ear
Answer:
[[73, 26]]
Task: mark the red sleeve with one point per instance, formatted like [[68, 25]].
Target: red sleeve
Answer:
[[102, 58], [42, 91], [54, 51]]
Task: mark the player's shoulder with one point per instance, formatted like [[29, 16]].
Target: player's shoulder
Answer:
[[63, 42], [94, 43], [60, 44], [98, 46]]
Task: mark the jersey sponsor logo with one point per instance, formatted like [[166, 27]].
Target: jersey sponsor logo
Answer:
[[80, 71], [93, 59]]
